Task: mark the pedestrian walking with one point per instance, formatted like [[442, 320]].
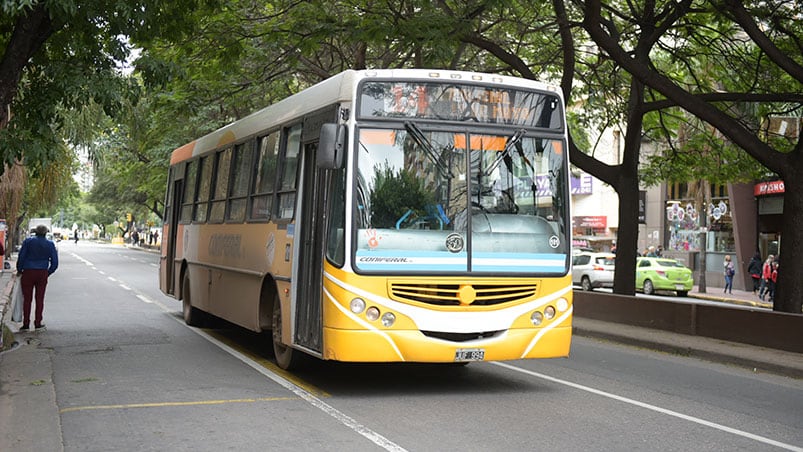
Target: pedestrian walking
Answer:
[[730, 271], [766, 274], [37, 260], [773, 282], [754, 270]]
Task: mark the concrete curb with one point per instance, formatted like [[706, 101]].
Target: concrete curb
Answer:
[[731, 300]]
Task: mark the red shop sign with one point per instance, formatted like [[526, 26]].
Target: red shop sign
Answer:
[[774, 187]]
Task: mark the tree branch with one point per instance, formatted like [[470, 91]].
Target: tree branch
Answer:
[[31, 30]]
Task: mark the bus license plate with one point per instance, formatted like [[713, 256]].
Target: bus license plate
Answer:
[[469, 354], [679, 287]]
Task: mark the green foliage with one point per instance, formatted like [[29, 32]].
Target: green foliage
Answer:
[[79, 64], [396, 193]]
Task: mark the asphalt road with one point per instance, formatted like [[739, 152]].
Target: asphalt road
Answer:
[[127, 375]]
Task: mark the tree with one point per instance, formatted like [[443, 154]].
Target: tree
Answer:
[[765, 72], [59, 57]]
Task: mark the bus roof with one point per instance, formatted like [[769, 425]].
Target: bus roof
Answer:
[[338, 88]]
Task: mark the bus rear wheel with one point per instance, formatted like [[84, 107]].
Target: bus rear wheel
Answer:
[[286, 357], [192, 315]]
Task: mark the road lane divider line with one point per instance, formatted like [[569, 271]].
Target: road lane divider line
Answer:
[[655, 408], [309, 397], [269, 365], [316, 402], [172, 404]]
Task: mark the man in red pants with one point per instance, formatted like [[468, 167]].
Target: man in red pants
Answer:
[[37, 260]]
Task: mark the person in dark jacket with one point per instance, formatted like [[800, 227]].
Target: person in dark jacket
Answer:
[[37, 260], [754, 270]]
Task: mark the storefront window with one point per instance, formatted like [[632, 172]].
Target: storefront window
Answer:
[[684, 222]]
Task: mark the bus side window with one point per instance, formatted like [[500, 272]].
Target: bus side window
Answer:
[[167, 214], [190, 181], [220, 188], [240, 164], [289, 174], [336, 239], [265, 177], [204, 183]]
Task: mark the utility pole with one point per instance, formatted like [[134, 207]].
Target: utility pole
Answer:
[[703, 197]]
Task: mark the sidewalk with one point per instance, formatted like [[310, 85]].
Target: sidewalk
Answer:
[[738, 297], [29, 415]]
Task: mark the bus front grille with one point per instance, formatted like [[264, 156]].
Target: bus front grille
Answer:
[[461, 337], [457, 294]]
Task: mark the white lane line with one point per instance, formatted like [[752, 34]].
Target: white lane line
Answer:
[[124, 286], [112, 279], [658, 409], [341, 417]]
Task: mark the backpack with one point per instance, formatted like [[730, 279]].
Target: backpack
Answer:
[[730, 271]]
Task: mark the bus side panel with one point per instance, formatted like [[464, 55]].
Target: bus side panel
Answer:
[[238, 258], [235, 297]]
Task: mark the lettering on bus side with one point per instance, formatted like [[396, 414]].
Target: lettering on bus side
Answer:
[[226, 245]]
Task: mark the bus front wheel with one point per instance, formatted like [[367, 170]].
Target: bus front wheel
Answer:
[[286, 357]]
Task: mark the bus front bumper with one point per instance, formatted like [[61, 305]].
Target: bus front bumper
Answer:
[[414, 346]]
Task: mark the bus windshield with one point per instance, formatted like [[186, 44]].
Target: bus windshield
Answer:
[[434, 200]]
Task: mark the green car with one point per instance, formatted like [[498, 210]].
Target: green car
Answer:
[[657, 273]]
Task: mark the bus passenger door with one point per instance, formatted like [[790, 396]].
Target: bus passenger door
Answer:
[[309, 243], [168, 271]]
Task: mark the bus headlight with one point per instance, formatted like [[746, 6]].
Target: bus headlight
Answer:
[[537, 318], [388, 319], [549, 312], [357, 305], [372, 313], [563, 304]]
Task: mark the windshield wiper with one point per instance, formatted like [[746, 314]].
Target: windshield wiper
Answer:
[[429, 150], [506, 151]]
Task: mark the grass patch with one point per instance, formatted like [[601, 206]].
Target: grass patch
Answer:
[[84, 380], [8, 338]]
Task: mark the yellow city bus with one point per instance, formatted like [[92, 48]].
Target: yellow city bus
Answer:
[[400, 215]]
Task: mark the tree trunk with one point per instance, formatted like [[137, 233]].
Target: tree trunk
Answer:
[[789, 288], [627, 187], [624, 279], [30, 32]]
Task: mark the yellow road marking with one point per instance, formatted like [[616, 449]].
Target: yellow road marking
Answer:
[[171, 404], [269, 365]]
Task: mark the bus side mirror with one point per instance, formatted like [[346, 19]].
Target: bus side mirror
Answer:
[[331, 145]]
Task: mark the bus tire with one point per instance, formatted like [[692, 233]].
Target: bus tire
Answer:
[[192, 315], [286, 357]]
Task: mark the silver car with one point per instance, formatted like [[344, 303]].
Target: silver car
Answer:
[[593, 270]]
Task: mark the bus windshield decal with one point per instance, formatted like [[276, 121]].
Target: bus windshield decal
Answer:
[[460, 102]]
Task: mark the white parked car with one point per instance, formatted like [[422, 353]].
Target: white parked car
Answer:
[[592, 270]]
